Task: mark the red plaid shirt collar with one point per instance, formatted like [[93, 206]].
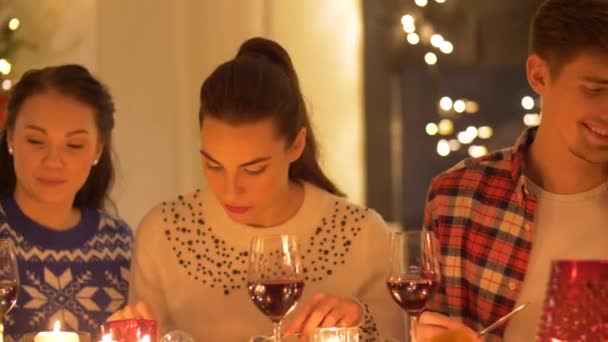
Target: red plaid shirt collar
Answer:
[[519, 151], [483, 216]]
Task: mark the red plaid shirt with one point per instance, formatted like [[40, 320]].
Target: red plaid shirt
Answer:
[[483, 214]]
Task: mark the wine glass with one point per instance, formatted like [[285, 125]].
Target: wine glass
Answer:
[[274, 278], [415, 273], [9, 280]]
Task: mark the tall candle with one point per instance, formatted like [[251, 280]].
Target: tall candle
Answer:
[[56, 335]]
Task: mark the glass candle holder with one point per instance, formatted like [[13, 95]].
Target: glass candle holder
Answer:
[[130, 330], [576, 304], [350, 334]]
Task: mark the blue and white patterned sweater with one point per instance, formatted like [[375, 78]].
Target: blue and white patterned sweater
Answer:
[[78, 276]]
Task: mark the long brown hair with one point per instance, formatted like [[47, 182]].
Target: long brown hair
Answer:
[[259, 83], [76, 82]]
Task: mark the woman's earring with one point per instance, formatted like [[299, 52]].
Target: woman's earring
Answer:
[[10, 151], [95, 162]]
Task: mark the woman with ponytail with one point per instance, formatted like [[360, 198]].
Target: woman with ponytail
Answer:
[[260, 160]]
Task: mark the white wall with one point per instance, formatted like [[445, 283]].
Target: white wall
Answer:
[[324, 39], [154, 58], [54, 32]]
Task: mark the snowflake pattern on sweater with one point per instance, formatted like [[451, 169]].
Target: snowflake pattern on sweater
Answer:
[[78, 277]]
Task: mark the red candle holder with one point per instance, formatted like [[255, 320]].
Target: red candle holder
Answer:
[[130, 330], [576, 304]]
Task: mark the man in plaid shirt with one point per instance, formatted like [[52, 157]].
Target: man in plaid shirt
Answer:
[[503, 217]]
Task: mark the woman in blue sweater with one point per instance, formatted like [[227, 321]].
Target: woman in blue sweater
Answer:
[[55, 174]]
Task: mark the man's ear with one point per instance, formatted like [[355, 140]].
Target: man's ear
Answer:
[[538, 72]]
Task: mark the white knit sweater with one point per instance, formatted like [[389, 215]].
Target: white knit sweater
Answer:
[[190, 265]]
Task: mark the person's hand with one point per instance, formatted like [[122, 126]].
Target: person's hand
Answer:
[[325, 311], [433, 324], [141, 310]]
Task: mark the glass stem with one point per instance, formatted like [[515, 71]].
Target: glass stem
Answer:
[[276, 331], [413, 326]]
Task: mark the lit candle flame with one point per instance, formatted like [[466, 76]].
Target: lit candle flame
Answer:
[[57, 326], [146, 338]]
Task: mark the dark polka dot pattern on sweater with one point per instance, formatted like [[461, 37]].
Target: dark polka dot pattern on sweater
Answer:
[[208, 259]]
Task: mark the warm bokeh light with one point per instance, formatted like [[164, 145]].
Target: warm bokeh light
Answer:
[[443, 148], [446, 47], [465, 137], [459, 106], [421, 3], [13, 24], [454, 145], [472, 131], [5, 67], [7, 84], [436, 40], [409, 28], [471, 107], [446, 127], [476, 151], [531, 119], [413, 38], [445, 103], [527, 102], [432, 129], [407, 20], [485, 132], [430, 58]]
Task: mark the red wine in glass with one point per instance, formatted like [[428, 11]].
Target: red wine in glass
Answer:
[[415, 272], [276, 298], [274, 277], [9, 290], [412, 295]]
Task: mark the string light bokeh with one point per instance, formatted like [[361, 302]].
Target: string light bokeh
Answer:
[[420, 33], [9, 43]]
